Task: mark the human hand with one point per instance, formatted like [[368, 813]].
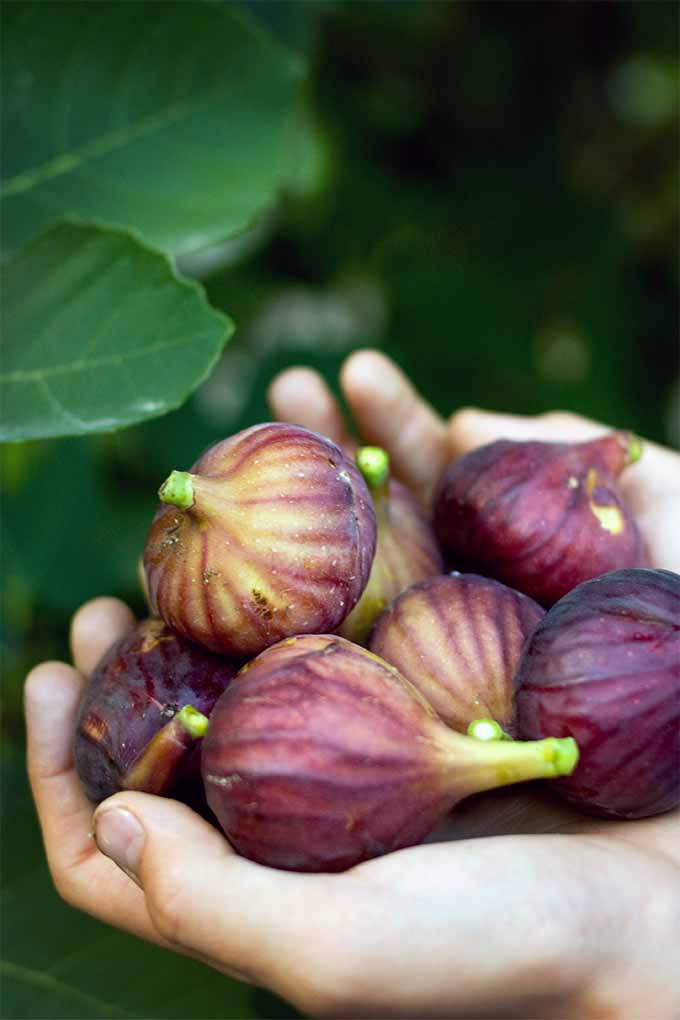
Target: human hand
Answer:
[[578, 935]]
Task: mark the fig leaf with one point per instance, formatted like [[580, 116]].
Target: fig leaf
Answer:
[[170, 118], [99, 332]]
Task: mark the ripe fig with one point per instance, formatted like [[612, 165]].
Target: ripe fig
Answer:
[[271, 534], [458, 639], [320, 755], [406, 549], [143, 708], [603, 666], [541, 517]]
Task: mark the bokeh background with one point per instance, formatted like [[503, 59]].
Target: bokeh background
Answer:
[[489, 196]]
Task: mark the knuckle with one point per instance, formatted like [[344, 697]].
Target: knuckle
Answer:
[[64, 884], [463, 421], [567, 419], [70, 875]]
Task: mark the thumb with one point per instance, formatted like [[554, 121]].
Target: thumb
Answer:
[[200, 895]]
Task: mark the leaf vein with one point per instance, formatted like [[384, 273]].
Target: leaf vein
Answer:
[[83, 365], [118, 138]]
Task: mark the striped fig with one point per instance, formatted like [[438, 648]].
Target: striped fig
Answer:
[[603, 666], [541, 517], [320, 755], [143, 709], [406, 549], [271, 534], [458, 639]]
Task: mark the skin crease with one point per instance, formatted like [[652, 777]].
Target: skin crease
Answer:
[[559, 915]]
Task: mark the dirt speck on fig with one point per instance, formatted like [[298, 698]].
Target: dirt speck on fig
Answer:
[[263, 606]]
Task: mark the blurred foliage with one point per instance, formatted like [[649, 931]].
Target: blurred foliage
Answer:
[[492, 200]]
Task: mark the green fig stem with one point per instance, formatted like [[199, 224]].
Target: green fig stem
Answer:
[[487, 729], [155, 769], [193, 721], [374, 464], [177, 490], [634, 450], [477, 765]]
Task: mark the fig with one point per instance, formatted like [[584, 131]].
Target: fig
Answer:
[[143, 709], [271, 534], [603, 666], [406, 550], [320, 755], [458, 639], [541, 517]]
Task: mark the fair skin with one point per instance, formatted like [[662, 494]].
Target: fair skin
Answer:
[[558, 915]]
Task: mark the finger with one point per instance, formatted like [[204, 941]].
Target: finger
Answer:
[[390, 413], [300, 395], [202, 896], [82, 876], [470, 427], [95, 627]]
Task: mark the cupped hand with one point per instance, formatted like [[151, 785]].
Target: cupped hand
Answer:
[[580, 922]]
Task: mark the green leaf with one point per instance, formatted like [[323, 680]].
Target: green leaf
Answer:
[[99, 332], [170, 118]]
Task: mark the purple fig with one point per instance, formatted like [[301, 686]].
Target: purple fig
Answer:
[[458, 639], [603, 666], [406, 549], [541, 517], [271, 534], [320, 755], [143, 710]]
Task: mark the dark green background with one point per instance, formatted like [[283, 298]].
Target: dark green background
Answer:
[[498, 212]]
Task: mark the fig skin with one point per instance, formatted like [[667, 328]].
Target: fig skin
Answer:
[[541, 517], [458, 639], [604, 667], [320, 755], [406, 549], [276, 538], [124, 736]]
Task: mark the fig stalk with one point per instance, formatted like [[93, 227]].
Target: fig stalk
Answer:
[[487, 729], [503, 762], [154, 770], [633, 449], [374, 464], [406, 551], [177, 490]]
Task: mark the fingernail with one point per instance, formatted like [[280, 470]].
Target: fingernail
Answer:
[[120, 836]]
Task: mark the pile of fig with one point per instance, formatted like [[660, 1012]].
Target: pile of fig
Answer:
[[312, 679]]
